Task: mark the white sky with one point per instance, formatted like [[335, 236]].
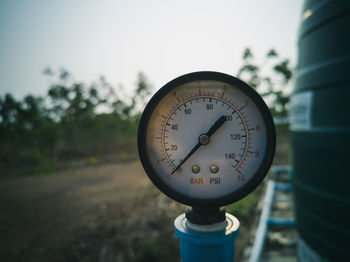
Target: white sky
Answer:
[[117, 39]]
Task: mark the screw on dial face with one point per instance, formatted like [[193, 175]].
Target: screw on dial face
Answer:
[[206, 139]]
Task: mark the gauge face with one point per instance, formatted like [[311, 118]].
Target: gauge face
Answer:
[[206, 139]]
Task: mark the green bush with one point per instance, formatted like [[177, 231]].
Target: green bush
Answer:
[[244, 208]]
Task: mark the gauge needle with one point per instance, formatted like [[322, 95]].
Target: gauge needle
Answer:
[[203, 139]]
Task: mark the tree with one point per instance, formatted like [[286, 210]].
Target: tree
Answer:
[[9, 111], [71, 101], [74, 120], [143, 89], [269, 82]]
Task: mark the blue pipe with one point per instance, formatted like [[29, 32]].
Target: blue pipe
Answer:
[[284, 186], [276, 221], [209, 242]]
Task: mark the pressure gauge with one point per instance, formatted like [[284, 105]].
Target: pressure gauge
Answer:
[[206, 139]]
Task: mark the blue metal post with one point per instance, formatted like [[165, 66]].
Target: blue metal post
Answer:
[[207, 243]]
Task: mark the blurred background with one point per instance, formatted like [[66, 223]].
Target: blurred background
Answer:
[[74, 78]]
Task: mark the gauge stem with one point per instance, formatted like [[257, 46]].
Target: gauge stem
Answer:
[[206, 216]]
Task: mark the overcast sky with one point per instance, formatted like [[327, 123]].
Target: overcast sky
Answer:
[[117, 39]]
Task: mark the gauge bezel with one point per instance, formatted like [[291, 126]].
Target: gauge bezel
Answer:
[[233, 196]]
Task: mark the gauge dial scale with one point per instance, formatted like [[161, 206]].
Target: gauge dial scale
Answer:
[[206, 139]]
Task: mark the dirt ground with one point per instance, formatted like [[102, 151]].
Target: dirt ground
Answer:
[[108, 212]]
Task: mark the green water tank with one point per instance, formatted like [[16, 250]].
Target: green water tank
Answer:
[[320, 132]]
